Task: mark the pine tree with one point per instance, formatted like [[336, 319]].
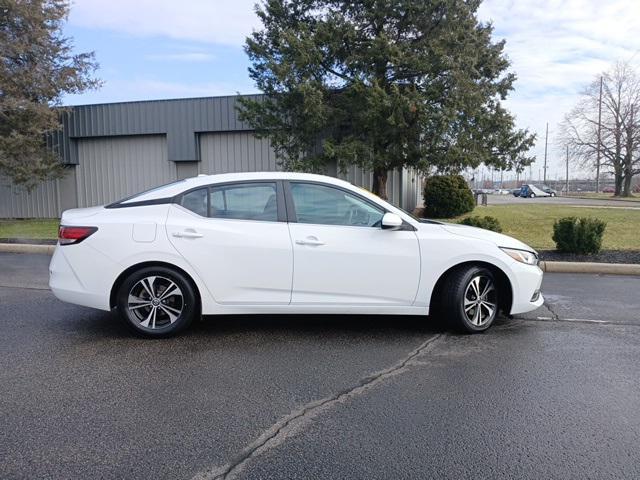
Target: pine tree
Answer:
[[37, 66], [381, 84]]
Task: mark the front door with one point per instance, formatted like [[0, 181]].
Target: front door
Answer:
[[343, 256], [235, 236]]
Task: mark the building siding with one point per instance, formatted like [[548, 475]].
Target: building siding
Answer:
[[114, 168], [400, 187], [115, 150], [227, 152], [42, 202], [180, 120]]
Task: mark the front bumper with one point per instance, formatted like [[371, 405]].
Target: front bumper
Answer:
[[527, 283]]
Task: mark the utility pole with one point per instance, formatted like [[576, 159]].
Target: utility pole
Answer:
[[599, 139], [566, 182], [546, 140]]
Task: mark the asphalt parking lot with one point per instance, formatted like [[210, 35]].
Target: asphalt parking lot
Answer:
[[553, 394]]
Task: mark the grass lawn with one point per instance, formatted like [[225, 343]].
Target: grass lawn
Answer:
[[533, 223], [41, 228]]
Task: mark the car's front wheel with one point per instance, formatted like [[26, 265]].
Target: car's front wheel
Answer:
[[470, 299], [156, 301], [532, 195]]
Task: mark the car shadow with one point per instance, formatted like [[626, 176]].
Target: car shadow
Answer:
[[102, 325], [316, 324]]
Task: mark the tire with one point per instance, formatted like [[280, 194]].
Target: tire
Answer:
[[553, 194], [532, 195], [460, 301], [169, 310]]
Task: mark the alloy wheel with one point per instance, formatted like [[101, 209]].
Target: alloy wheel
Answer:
[[155, 302], [480, 300]]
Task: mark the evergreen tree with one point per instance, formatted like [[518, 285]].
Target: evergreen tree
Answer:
[[37, 66], [381, 84]]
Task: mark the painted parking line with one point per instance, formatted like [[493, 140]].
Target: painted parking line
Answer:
[[584, 320]]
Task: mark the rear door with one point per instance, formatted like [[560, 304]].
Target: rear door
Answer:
[[342, 255], [236, 237]]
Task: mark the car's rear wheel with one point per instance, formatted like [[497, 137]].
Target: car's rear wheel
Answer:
[[532, 195], [156, 301], [553, 194], [470, 299]]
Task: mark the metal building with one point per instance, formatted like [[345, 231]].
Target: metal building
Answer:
[[117, 149]]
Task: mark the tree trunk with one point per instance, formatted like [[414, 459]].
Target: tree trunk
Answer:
[[380, 182], [618, 181], [627, 184]]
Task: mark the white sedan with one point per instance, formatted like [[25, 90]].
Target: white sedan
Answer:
[[273, 243]]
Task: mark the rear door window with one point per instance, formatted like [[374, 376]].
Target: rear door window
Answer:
[[245, 201]]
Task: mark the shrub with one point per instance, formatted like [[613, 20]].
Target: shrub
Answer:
[[486, 222], [447, 196], [578, 235]]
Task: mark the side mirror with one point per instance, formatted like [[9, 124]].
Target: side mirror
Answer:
[[391, 221]]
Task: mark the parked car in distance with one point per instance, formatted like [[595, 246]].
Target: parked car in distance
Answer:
[[608, 190], [278, 243], [549, 190], [531, 191]]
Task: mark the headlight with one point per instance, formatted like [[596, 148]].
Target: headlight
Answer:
[[522, 256]]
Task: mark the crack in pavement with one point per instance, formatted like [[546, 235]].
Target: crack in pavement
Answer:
[[554, 315], [298, 419]]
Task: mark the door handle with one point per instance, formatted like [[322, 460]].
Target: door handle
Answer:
[[187, 234], [310, 241]]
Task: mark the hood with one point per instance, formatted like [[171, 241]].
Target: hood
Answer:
[[78, 213], [481, 234]]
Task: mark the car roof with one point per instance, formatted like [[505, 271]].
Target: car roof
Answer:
[[175, 188]]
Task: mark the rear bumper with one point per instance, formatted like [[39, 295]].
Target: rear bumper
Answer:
[[67, 286]]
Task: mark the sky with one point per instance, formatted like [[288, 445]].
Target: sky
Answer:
[[153, 49]]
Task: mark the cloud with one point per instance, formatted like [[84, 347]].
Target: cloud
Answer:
[[212, 21], [557, 47]]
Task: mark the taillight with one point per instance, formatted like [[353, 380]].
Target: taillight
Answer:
[[70, 235]]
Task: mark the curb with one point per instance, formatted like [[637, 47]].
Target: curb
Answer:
[[590, 267], [552, 267], [26, 248]]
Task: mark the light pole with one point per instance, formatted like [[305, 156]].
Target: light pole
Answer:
[[566, 181], [599, 139], [546, 140]]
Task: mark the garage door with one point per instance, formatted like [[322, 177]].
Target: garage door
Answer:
[[112, 168], [226, 152]]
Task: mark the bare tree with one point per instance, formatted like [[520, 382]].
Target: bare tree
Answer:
[[619, 129]]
